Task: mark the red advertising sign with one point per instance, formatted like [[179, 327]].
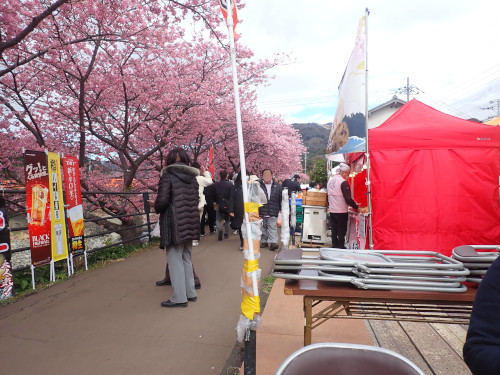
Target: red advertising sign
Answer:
[[38, 206], [71, 172], [6, 282]]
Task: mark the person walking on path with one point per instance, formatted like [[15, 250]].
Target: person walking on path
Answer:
[[236, 206], [270, 211], [339, 199], [219, 196], [209, 211], [177, 204], [204, 180]]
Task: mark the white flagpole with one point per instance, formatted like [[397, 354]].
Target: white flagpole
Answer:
[[243, 170], [368, 182], [250, 335]]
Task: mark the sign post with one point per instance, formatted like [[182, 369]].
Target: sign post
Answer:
[[75, 208], [38, 208], [6, 281], [59, 241]]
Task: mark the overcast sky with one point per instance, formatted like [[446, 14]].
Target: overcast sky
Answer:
[[449, 49]]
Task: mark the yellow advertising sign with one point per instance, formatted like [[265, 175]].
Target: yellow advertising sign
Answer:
[[59, 241]]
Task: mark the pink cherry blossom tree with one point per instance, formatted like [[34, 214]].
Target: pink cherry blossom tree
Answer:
[[119, 85]]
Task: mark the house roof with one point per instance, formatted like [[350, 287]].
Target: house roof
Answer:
[[495, 121], [395, 102]]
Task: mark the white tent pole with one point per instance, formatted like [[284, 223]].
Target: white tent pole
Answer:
[[243, 169], [368, 182]]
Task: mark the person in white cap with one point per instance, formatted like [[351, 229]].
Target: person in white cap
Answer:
[[339, 200]]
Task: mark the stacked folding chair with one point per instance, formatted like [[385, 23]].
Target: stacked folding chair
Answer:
[[476, 261], [375, 269]]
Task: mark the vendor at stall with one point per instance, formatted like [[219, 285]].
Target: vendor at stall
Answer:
[[339, 200]]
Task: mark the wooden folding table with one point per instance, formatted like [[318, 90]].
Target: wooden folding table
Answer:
[[352, 303]]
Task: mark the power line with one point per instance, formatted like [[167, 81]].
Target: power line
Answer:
[[446, 105], [492, 107], [466, 86], [311, 100]]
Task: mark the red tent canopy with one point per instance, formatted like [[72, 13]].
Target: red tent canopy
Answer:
[[435, 181]]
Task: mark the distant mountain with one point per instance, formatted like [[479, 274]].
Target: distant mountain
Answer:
[[314, 136]]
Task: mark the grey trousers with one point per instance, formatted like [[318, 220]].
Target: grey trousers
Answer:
[[181, 271], [219, 216], [269, 230]]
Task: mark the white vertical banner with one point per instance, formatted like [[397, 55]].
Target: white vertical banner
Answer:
[[348, 133]]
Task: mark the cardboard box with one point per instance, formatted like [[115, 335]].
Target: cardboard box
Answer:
[[256, 245], [315, 201], [315, 194], [314, 198]]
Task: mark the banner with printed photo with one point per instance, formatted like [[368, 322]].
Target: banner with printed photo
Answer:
[[38, 206], [59, 242], [348, 133], [74, 201], [6, 281]]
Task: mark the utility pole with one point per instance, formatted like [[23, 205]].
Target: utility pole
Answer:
[[408, 89], [492, 107], [305, 163]]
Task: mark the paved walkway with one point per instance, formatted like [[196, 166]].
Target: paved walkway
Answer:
[[109, 320]]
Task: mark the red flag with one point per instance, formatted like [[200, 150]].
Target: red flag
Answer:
[[224, 4], [211, 166]]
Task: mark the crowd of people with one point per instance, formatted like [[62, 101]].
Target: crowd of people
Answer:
[[188, 199]]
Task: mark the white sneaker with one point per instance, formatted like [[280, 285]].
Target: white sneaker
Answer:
[[196, 243], [235, 232]]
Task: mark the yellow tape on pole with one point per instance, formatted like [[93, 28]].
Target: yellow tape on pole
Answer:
[[252, 207], [251, 265], [250, 306]]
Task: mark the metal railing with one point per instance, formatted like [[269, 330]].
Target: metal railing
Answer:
[[144, 211]]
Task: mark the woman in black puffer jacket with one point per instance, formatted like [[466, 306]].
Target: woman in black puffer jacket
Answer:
[[177, 204]]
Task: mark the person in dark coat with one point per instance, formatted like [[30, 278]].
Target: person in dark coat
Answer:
[[236, 206], [220, 199], [270, 211], [177, 204], [482, 345], [209, 193], [292, 184]]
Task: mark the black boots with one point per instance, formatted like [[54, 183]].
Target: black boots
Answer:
[[163, 282]]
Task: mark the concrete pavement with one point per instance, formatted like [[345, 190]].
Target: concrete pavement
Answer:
[[109, 320]]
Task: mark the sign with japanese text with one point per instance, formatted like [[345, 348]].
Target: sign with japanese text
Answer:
[[59, 241], [74, 201], [38, 206], [6, 281]]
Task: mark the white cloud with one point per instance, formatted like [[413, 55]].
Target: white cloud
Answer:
[[447, 48]]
